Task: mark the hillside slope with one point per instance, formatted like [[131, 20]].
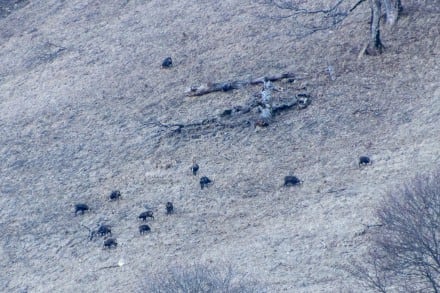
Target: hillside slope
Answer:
[[85, 108]]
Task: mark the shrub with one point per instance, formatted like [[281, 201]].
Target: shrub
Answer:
[[404, 254], [199, 279]]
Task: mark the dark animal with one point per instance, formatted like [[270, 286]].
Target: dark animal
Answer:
[[170, 208], [364, 160], [291, 181], [204, 181], [195, 168], [226, 112], [111, 242], [81, 207], [167, 62], [144, 229], [145, 215], [104, 230], [115, 195], [227, 87]]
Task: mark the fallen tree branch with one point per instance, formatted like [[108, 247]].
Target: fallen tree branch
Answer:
[[108, 267], [238, 116], [328, 17], [231, 85]]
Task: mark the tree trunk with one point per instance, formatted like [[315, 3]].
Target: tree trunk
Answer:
[[375, 46], [392, 10]]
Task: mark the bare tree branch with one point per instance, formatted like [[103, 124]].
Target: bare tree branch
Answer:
[[328, 17], [297, 10], [356, 5]]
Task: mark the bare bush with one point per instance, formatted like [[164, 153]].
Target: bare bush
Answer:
[[200, 278], [404, 254]]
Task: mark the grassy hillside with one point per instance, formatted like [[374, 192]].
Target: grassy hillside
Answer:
[[85, 108]]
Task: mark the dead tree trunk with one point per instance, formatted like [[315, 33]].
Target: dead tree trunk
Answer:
[[375, 45], [392, 10], [232, 85]]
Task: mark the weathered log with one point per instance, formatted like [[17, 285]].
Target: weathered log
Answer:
[[232, 85]]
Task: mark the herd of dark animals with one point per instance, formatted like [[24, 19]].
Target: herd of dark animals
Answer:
[[293, 180], [105, 230]]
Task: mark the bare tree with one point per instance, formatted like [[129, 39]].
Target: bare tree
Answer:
[[405, 249], [311, 20], [336, 13], [392, 10]]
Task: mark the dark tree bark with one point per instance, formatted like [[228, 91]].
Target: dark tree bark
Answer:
[[392, 10], [375, 45]]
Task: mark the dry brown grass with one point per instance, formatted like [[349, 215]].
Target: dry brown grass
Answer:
[[82, 90]]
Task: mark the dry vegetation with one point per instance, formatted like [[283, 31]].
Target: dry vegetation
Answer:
[[404, 253], [84, 100]]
